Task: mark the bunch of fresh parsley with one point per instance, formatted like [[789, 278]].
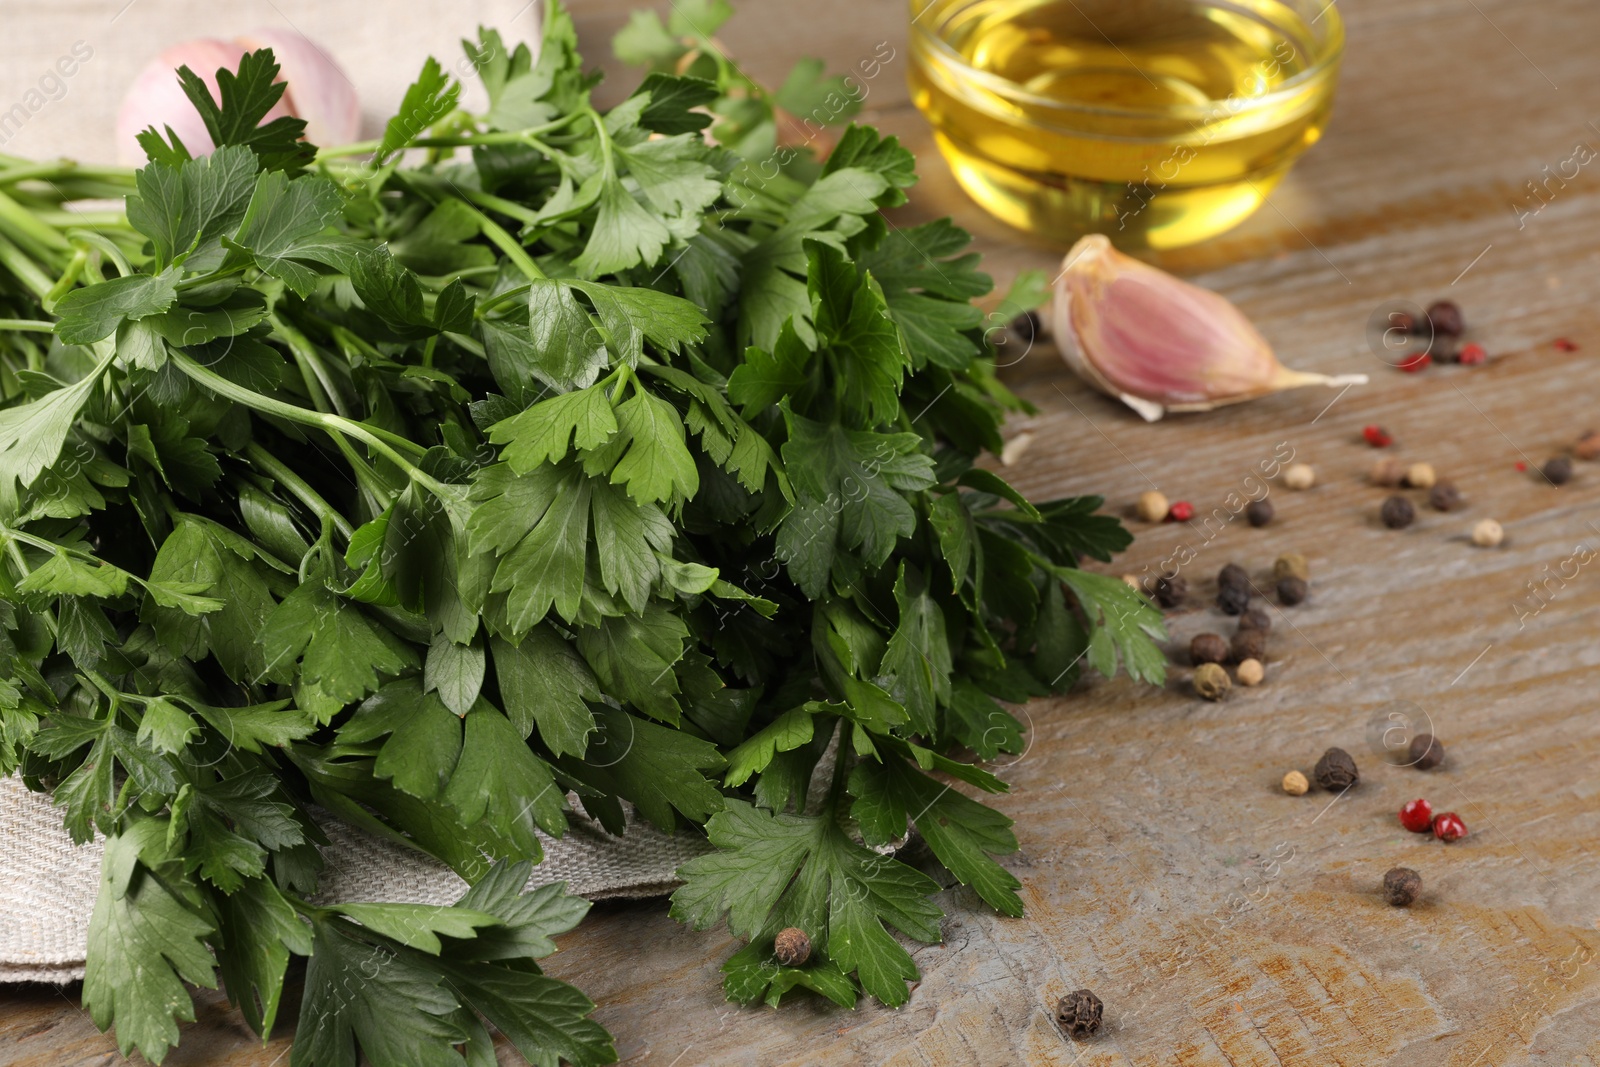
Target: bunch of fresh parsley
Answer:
[[542, 457]]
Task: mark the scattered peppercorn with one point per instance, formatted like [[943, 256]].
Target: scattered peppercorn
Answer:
[[1151, 506], [1417, 816], [1444, 496], [1079, 1013], [1388, 471], [1443, 350], [1259, 513], [1208, 648], [1473, 354], [1446, 318], [1487, 533], [1233, 574], [1521, 466], [1181, 511], [1425, 752], [1255, 619], [1376, 436], [1416, 361], [1588, 446], [1211, 681], [1558, 470], [1564, 345], [1248, 645], [1336, 770], [1291, 565], [1299, 476], [1250, 671], [1292, 590], [1401, 886], [1397, 513], [1233, 599], [1448, 827], [1294, 783], [1171, 591], [792, 948], [1421, 476]]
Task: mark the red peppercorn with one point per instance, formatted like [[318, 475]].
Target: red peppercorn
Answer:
[[1414, 362], [1181, 511], [1564, 345], [1521, 466], [1377, 436], [1448, 827], [1473, 353], [1417, 816]]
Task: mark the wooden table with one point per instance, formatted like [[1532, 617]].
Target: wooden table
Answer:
[[1221, 921]]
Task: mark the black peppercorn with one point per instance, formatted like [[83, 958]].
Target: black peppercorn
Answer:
[[1260, 512], [1208, 648], [1397, 513], [1255, 619], [1425, 752], [1558, 470], [1444, 496], [1401, 886], [1336, 770], [1170, 592], [1292, 591], [1446, 318], [1249, 644], [792, 948], [1233, 599], [1079, 1013], [1233, 574]]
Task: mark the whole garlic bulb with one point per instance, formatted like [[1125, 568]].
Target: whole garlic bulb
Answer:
[[1159, 343], [318, 91]]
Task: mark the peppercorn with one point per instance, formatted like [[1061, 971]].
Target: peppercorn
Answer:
[[1291, 565], [1417, 816], [1421, 476], [1425, 752], [1401, 886], [1416, 361], [1233, 599], [1255, 619], [1487, 533], [1250, 671], [1473, 354], [1079, 1013], [1588, 446], [1151, 506], [1208, 648], [1444, 496], [1397, 512], [792, 948], [1402, 321], [1558, 470], [1564, 345], [1248, 645], [1388, 471], [1171, 591], [1336, 770], [1294, 783], [1233, 574], [1444, 350], [1181, 511], [1376, 436], [1292, 590], [1446, 318], [1259, 513], [1211, 681], [1299, 476], [1448, 827]]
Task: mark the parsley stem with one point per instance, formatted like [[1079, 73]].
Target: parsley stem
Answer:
[[27, 271], [502, 298], [510, 246], [69, 278], [297, 485], [312, 368], [29, 325], [30, 231]]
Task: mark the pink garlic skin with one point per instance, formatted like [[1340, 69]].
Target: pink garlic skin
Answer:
[[318, 92], [1156, 336]]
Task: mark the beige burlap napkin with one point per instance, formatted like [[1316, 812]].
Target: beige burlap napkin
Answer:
[[48, 885]]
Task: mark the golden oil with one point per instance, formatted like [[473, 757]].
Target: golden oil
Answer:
[[1157, 122]]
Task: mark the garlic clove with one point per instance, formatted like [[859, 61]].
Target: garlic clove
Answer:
[[1159, 343], [318, 92]]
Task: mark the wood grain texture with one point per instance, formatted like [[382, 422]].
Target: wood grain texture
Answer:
[[1224, 923]]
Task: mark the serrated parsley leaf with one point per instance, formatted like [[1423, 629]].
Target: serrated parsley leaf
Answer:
[[428, 99], [95, 311], [248, 94]]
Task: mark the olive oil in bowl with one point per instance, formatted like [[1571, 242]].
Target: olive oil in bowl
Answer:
[[1157, 122]]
